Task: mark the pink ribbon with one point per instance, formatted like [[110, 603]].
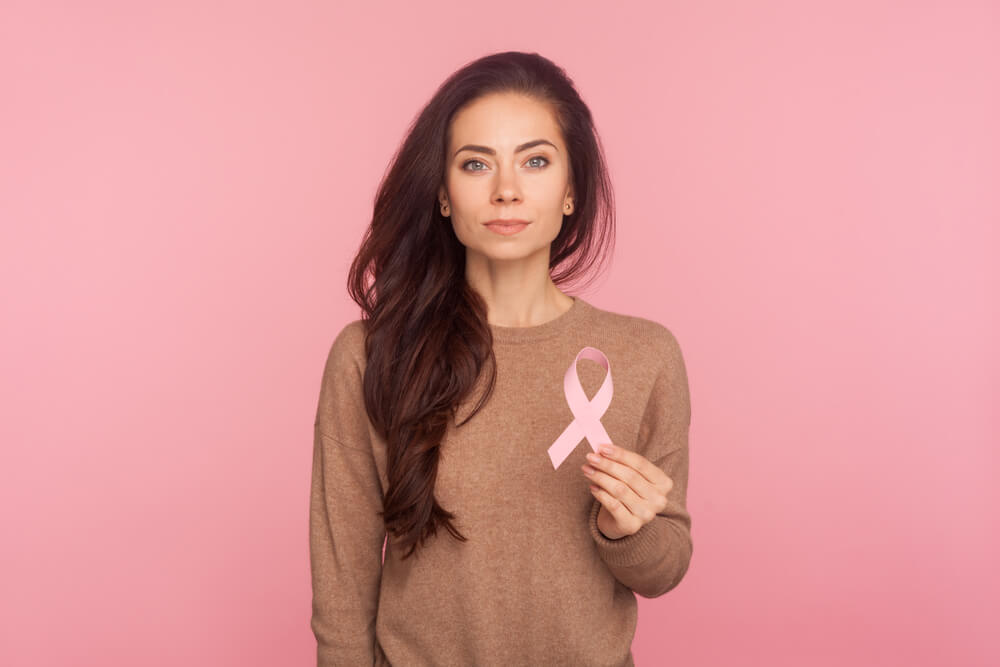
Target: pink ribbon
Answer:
[[586, 413]]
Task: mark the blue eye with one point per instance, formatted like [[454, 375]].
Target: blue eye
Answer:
[[465, 165]]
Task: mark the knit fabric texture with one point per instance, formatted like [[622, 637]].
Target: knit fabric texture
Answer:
[[536, 583]]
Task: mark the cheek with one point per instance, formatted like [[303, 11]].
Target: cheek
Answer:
[[541, 193], [466, 192], [552, 229], [547, 190]]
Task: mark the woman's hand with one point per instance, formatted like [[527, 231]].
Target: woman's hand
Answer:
[[631, 489]]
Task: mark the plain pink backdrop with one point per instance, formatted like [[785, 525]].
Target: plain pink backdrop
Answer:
[[807, 197]]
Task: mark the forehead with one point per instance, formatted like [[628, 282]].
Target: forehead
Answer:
[[504, 120]]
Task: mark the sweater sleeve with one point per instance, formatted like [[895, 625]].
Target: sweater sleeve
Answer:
[[346, 534], [653, 560]]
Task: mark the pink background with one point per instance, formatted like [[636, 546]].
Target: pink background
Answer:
[[807, 197]]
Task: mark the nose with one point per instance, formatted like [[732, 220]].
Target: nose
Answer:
[[507, 189]]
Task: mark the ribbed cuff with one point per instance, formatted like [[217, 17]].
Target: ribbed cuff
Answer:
[[648, 542]]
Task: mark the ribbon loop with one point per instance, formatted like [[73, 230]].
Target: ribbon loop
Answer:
[[586, 413]]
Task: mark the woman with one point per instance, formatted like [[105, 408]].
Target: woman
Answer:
[[449, 404]]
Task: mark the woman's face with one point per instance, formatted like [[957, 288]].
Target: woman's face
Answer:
[[506, 159]]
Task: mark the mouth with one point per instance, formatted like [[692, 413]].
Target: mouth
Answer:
[[507, 227]]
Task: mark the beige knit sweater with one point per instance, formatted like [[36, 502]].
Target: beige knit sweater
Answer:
[[537, 583]]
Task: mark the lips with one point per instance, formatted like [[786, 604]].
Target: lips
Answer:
[[506, 227], [507, 221]]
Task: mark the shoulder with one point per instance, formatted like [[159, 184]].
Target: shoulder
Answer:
[[648, 335], [347, 351], [340, 410]]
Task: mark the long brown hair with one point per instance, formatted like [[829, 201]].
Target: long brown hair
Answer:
[[427, 335]]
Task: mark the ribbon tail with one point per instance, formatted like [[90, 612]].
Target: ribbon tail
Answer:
[[597, 435], [565, 443]]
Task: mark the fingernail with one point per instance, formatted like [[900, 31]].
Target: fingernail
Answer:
[[607, 449]]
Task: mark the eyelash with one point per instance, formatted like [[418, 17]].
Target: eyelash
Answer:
[[537, 157]]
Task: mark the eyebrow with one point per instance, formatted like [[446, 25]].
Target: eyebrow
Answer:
[[490, 151]]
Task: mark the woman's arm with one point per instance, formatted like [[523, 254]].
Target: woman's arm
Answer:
[[654, 559], [346, 534]]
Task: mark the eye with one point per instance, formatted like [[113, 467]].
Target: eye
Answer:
[[465, 165]]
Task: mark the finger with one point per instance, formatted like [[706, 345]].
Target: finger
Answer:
[[621, 514], [649, 470], [623, 493], [630, 476]]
